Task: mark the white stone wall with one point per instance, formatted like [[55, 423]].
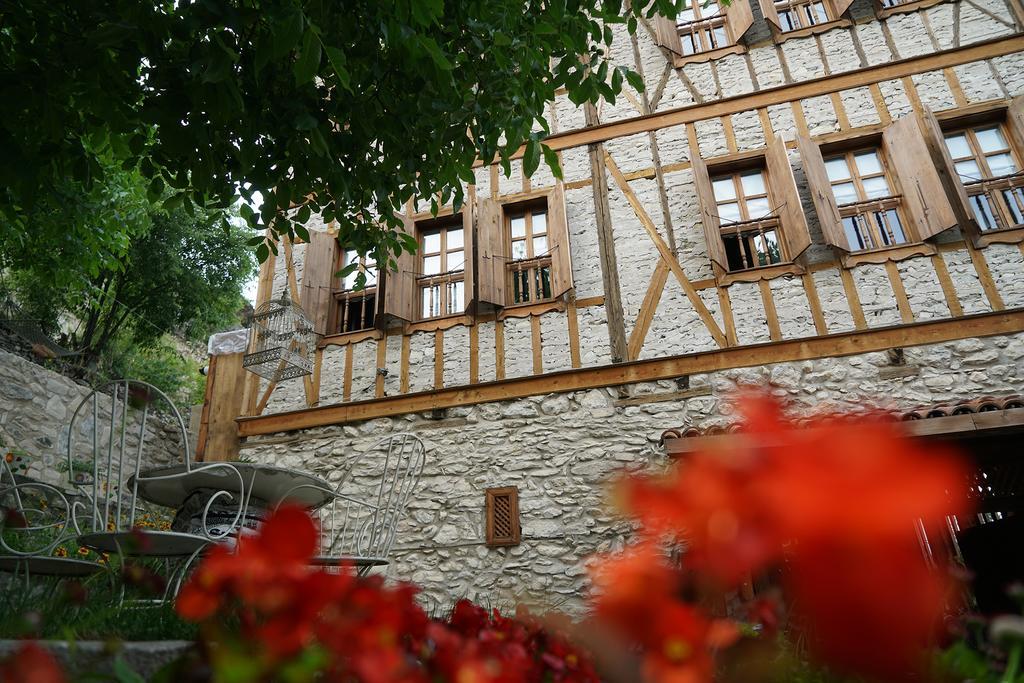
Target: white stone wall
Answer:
[[561, 450], [36, 408]]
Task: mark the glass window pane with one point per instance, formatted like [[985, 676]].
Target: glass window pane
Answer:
[[876, 187], [837, 169], [540, 223], [685, 15], [454, 238], [724, 189], [689, 42], [983, 212], [432, 242], [855, 235], [519, 249], [787, 20], [371, 277], [431, 265], [990, 139], [518, 226], [957, 146], [540, 246], [1015, 201], [758, 208], [893, 232], [456, 260], [818, 14], [868, 163], [720, 39], [520, 286], [968, 171], [543, 282], [431, 301], [845, 193], [350, 280], [729, 213], [768, 250], [753, 183], [1001, 164], [456, 296], [712, 10]]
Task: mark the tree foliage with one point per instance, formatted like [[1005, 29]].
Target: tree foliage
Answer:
[[345, 109]]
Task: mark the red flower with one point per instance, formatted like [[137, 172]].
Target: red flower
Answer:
[[31, 664]]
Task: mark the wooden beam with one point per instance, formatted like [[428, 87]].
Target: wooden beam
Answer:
[[883, 111], [853, 299], [474, 354], [499, 349], [766, 123], [727, 317], [814, 301], [799, 119], [318, 362], [438, 359], [902, 302], [382, 360], [946, 282], [204, 417], [841, 117], [730, 135], [403, 368], [666, 254], [346, 386], [995, 299], [536, 345], [815, 87], [225, 406], [647, 309], [771, 316], [606, 249], [574, 335], [649, 370]]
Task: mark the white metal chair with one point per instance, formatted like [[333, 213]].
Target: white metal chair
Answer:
[[113, 429], [359, 523]]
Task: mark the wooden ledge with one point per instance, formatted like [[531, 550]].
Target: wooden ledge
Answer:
[[1003, 236], [761, 273], [348, 338], [649, 370], [679, 61], [781, 37], [878, 256], [885, 12], [526, 310], [434, 324]]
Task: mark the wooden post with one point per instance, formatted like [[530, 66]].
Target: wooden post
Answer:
[[224, 391]]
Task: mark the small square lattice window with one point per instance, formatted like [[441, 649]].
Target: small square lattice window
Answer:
[[503, 516]]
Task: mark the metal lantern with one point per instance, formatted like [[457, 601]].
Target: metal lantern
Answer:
[[282, 341]]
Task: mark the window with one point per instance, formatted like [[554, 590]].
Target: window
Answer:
[[751, 213], [702, 28], [747, 220], [867, 205], [355, 310], [985, 163], [441, 279], [797, 14], [529, 265]]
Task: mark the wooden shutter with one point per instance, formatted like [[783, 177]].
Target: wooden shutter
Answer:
[[318, 277], [708, 210], [502, 518], [400, 285], [821, 193], [841, 6], [923, 196], [468, 223], [738, 18], [950, 179], [770, 13], [787, 197], [666, 34], [558, 243], [490, 270], [1015, 121]]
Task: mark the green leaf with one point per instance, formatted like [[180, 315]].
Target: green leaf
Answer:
[[287, 35], [430, 45], [634, 80], [124, 673], [531, 157], [551, 158], [262, 252], [337, 59], [303, 214], [255, 241], [308, 63], [302, 232], [544, 28]]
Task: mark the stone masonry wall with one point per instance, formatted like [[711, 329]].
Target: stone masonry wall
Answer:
[[36, 406], [562, 449]]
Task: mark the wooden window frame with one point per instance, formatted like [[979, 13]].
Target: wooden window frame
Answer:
[[989, 185], [493, 535], [834, 11], [746, 228], [341, 296], [736, 18], [882, 12], [533, 263], [865, 206], [441, 280]]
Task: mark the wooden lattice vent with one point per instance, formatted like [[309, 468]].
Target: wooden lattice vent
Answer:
[[503, 516]]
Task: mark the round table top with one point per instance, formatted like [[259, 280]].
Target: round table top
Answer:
[[170, 486], [144, 543], [49, 566]]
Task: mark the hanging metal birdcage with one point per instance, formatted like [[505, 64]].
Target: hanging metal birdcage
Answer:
[[281, 341]]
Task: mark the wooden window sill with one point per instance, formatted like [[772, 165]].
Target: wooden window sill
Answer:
[[699, 57], [781, 37], [760, 273], [1014, 235], [900, 253], [346, 338], [526, 310], [884, 12], [443, 322]]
